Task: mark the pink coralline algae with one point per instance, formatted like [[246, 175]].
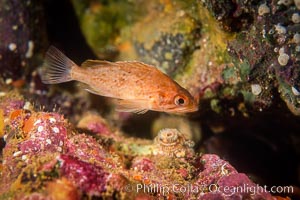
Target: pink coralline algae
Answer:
[[143, 164], [46, 132], [86, 148], [11, 105], [224, 182], [247, 187], [89, 178], [45, 157], [213, 169], [95, 124]]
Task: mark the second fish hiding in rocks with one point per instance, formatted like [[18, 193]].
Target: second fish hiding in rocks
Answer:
[[138, 87]]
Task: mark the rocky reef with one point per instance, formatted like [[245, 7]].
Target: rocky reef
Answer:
[[23, 39], [46, 157], [241, 58], [221, 51]]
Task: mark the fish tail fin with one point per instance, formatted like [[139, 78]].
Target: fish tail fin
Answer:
[[57, 67]]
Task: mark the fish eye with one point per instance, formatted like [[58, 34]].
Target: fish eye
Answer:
[[179, 101]]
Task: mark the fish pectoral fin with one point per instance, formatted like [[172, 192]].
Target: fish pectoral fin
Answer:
[[135, 106], [93, 90], [140, 112], [97, 63]]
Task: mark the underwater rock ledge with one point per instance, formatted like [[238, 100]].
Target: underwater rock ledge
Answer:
[[243, 52], [46, 157]]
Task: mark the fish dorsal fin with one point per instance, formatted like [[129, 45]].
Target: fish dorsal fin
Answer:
[[134, 105], [97, 63], [135, 64]]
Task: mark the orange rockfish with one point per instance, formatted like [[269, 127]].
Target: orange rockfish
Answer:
[[138, 87]]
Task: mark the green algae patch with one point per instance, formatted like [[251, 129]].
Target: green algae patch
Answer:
[[101, 22], [291, 98], [248, 97], [236, 72], [217, 36]]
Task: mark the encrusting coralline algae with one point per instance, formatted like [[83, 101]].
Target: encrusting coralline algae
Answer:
[[46, 157]]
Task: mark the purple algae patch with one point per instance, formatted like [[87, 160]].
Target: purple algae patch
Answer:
[[87, 177], [49, 133]]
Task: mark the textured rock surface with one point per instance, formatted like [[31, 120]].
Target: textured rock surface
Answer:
[[22, 39], [45, 156], [220, 50], [59, 142]]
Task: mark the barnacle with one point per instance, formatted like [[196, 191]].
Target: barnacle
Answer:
[[296, 18], [296, 38], [256, 89], [263, 9], [171, 142], [283, 59], [168, 137], [273, 57]]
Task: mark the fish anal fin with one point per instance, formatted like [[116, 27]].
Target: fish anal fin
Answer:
[[133, 105], [96, 63]]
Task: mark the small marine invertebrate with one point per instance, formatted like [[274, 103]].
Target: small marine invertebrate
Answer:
[[280, 29], [191, 130], [12, 46], [295, 91], [283, 59], [296, 18], [285, 2], [173, 143], [263, 9], [168, 137], [296, 38], [256, 89], [297, 4]]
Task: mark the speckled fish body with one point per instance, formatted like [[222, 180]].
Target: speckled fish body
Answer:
[[137, 86]]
